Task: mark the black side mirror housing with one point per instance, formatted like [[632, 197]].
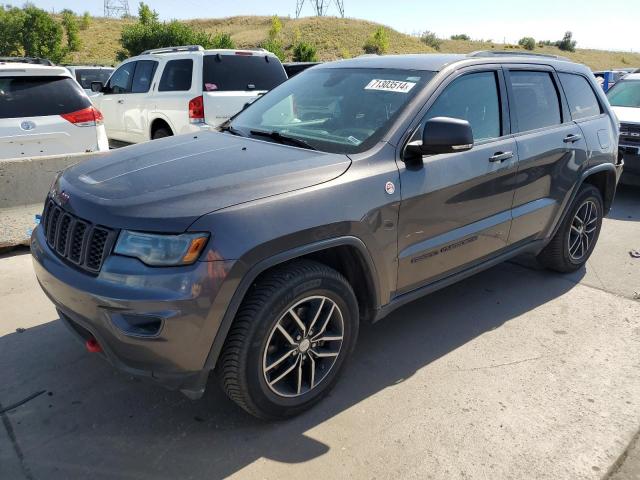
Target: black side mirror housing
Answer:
[[97, 87], [443, 135]]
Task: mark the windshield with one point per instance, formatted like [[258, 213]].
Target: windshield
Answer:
[[625, 94], [85, 76], [344, 110]]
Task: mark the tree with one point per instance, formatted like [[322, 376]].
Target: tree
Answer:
[[528, 43], [150, 33], [305, 52], [273, 43], [567, 43], [11, 26], [41, 35], [378, 42], [430, 39], [461, 36], [85, 22], [71, 28]]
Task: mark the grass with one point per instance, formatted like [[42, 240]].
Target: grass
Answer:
[[334, 38]]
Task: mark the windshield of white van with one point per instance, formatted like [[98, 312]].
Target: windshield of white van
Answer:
[[344, 110], [223, 73], [625, 94]]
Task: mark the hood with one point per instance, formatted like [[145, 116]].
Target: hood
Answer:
[[165, 185], [627, 114]]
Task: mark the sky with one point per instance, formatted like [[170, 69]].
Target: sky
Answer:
[[594, 23]]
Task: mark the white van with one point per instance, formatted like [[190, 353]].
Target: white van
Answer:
[[43, 111], [178, 90]]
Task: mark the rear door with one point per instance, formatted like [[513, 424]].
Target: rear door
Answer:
[[137, 103], [229, 81], [111, 102], [456, 207], [551, 150], [31, 122]]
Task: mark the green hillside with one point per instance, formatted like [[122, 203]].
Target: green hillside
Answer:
[[334, 38]]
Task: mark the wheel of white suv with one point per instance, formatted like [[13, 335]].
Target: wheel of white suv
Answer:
[[291, 337], [573, 243], [161, 132]]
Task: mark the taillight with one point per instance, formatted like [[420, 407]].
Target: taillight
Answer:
[[196, 110], [87, 117]]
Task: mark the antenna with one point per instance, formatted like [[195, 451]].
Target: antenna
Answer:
[[116, 8], [320, 7]]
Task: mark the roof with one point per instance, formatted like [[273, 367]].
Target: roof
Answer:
[[437, 61], [631, 76], [28, 69]]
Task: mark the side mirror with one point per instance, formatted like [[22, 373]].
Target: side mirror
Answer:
[[97, 87], [443, 135]]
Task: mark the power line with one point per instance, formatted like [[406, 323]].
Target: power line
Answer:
[[116, 8]]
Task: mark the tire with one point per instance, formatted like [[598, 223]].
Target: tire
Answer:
[[256, 352], [161, 132], [568, 250]]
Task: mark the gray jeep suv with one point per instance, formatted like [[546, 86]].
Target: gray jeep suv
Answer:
[[353, 188]]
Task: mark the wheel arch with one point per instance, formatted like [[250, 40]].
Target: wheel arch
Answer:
[[604, 178], [348, 255], [158, 123]]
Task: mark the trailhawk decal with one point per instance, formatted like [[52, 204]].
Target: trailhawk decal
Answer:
[[390, 86]]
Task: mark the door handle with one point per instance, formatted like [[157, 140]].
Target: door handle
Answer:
[[120, 101], [573, 138], [501, 156]]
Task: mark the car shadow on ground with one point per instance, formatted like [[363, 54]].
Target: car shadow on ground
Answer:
[[627, 204], [94, 421]]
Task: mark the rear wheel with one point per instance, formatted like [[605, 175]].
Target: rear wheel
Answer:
[[290, 339], [161, 132], [576, 238]]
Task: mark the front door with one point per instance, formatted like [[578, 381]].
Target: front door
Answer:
[[135, 110], [456, 208], [112, 101]]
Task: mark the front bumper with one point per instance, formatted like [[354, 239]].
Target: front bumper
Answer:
[[631, 156], [150, 322]]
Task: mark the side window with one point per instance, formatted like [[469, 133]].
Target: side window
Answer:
[[144, 76], [535, 99], [475, 98], [120, 81], [176, 76], [582, 101]]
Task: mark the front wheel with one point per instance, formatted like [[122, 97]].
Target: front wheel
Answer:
[[573, 243], [290, 339]]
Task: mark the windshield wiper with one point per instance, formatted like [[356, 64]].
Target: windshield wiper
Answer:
[[277, 136], [226, 127]]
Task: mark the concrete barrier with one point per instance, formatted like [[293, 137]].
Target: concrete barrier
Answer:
[[25, 181]]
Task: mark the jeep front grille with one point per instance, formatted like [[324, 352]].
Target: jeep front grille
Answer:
[[76, 240]]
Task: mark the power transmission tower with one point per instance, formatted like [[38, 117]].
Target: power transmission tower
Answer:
[[320, 7], [116, 8]]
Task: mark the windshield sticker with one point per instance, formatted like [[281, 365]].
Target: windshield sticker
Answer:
[[390, 86], [354, 140]]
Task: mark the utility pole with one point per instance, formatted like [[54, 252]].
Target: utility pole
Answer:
[[321, 7], [116, 8]]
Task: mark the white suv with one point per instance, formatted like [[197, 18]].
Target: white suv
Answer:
[[43, 111], [179, 90]]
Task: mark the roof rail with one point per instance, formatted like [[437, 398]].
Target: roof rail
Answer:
[[32, 60], [183, 48], [505, 53]]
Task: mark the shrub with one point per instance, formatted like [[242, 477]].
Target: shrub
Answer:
[[378, 42], [430, 39], [41, 35], [11, 26], [305, 52], [71, 28], [273, 43], [85, 21], [527, 43], [567, 43], [461, 36], [149, 33]]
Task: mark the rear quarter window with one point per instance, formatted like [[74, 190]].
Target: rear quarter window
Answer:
[[583, 102], [241, 73], [40, 96]]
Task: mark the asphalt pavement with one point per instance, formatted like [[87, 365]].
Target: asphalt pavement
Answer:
[[514, 373]]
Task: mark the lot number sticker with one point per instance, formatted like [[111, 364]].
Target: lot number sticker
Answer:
[[390, 86]]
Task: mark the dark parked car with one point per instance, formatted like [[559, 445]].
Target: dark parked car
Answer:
[[258, 250], [294, 68]]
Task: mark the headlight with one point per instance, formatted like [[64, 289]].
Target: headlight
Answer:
[[161, 250]]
